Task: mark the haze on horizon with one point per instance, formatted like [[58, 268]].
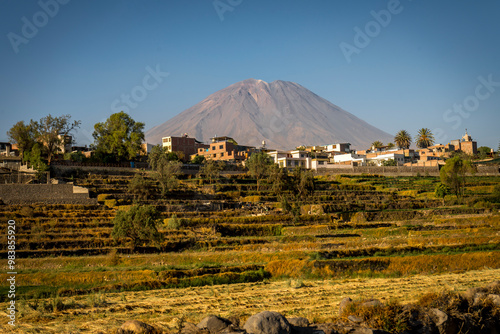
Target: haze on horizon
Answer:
[[394, 64]]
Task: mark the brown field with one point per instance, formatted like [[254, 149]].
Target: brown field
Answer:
[[357, 236], [316, 300]]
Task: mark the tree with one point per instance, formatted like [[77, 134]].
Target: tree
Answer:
[[258, 165], [483, 152], [390, 145], [211, 170], [165, 171], [425, 138], [453, 174], [139, 223], [24, 135], [403, 139], [52, 132], [198, 159], [140, 187], [377, 144], [34, 158], [278, 177], [119, 138], [304, 182], [390, 162], [442, 190]]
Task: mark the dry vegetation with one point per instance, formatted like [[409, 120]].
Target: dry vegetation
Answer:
[[362, 237]]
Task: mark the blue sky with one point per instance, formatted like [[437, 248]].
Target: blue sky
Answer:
[[423, 63]]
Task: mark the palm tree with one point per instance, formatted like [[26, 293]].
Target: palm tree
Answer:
[[377, 144], [390, 145], [425, 138], [403, 139]]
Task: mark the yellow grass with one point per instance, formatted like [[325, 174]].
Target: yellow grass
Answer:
[[315, 300]]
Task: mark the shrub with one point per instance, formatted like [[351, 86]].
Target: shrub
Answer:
[[138, 223]]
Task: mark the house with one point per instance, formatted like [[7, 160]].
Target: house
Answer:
[[380, 158], [226, 149], [6, 149], [185, 144], [350, 159]]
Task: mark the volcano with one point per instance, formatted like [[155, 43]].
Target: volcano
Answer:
[[283, 114]]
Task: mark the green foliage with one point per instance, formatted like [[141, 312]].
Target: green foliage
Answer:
[[198, 160], [278, 177], [34, 158], [442, 190], [119, 138], [139, 223], [24, 135], [453, 174], [174, 223], [303, 182], [52, 131], [140, 187], [165, 170], [211, 170], [390, 162], [483, 152], [390, 145], [259, 165], [74, 156], [403, 139], [425, 138], [377, 144]]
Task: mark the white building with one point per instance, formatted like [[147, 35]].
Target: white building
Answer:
[[379, 159], [351, 158]]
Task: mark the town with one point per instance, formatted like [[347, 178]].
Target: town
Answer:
[[334, 157]]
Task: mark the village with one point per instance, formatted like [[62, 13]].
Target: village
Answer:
[[317, 157]]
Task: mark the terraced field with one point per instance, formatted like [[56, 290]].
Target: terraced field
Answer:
[[234, 251]]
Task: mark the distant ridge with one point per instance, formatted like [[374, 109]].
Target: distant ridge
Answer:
[[282, 113]]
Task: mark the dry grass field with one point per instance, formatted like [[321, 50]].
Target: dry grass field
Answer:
[[316, 300], [233, 251]]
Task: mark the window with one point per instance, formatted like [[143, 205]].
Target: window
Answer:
[[213, 147], [222, 154], [214, 155], [221, 147]]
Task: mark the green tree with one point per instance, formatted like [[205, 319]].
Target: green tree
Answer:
[[483, 152], [304, 182], [390, 162], [403, 139], [453, 174], [390, 145], [278, 178], [442, 190], [165, 171], [24, 135], [52, 131], [198, 159], [211, 170], [139, 223], [377, 144], [34, 158], [119, 138], [140, 187], [425, 138], [258, 165]]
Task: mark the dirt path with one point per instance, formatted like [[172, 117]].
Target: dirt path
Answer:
[[315, 300]]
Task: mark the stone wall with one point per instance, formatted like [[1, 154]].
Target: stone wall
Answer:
[[44, 194], [403, 170]]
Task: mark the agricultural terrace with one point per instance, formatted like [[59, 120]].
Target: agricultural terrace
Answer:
[[234, 248]]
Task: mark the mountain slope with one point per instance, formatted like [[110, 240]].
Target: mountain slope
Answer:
[[282, 113]]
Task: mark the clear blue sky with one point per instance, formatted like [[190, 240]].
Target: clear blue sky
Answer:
[[417, 64]]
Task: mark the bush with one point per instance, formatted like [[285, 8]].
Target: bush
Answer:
[[139, 223]]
